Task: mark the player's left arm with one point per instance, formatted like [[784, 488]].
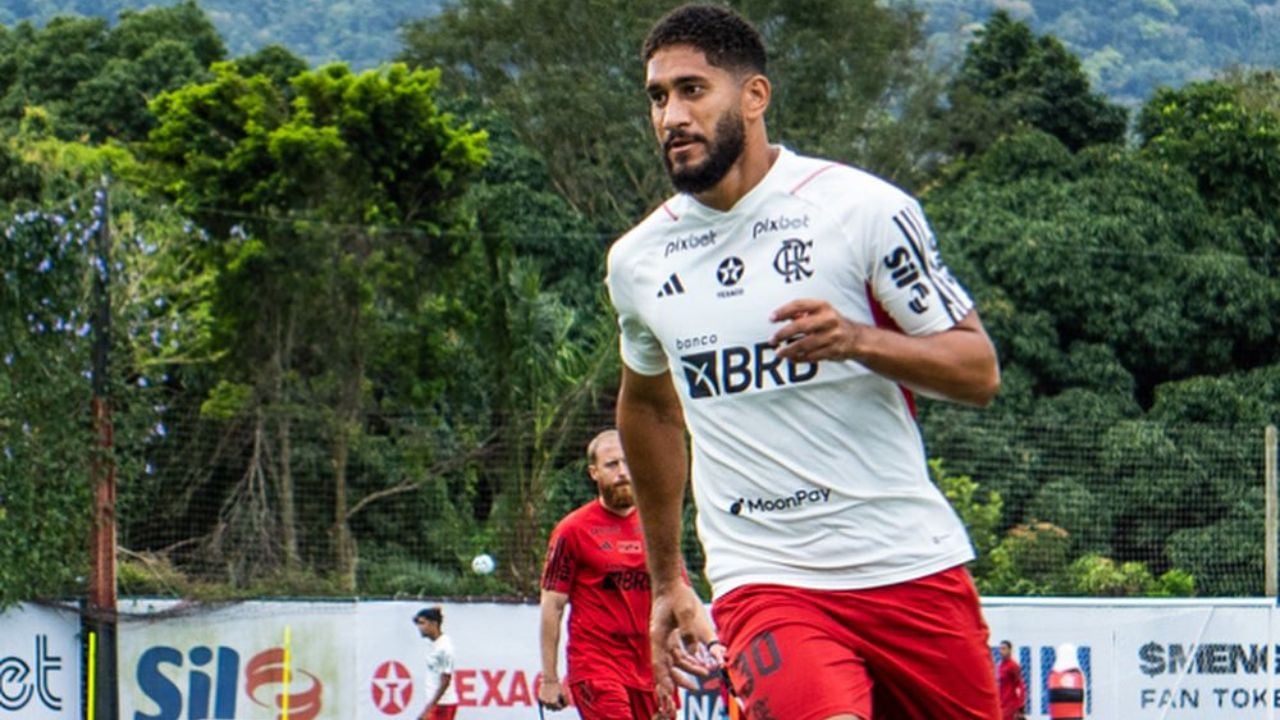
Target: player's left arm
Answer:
[[957, 364], [939, 346]]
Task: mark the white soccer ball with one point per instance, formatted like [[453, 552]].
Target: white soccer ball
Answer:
[[483, 564]]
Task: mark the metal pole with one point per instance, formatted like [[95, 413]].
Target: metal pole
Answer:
[[101, 618], [1270, 510]]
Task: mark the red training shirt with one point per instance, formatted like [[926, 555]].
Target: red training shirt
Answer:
[[597, 558], [1013, 692]]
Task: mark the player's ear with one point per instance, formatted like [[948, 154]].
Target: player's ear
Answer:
[[756, 94]]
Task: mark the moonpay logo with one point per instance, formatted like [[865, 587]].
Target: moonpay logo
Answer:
[[783, 502]]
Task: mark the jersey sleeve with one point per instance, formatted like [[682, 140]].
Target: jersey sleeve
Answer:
[[640, 348], [907, 275], [558, 572]]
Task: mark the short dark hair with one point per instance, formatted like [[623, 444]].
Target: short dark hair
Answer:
[[728, 40], [434, 614]]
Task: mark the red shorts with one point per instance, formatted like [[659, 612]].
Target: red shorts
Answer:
[[917, 649], [443, 712], [601, 700]]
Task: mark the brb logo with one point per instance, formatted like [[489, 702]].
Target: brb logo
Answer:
[[21, 685], [733, 370], [213, 684]]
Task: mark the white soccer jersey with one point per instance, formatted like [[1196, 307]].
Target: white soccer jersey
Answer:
[[440, 660], [805, 474]]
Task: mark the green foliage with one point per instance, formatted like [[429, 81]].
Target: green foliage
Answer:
[[359, 334], [850, 83], [47, 439], [1100, 265], [1011, 79], [358, 32], [94, 79], [981, 518], [1227, 136], [1226, 554], [1027, 561], [1131, 47], [330, 207], [1073, 507], [846, 83], [1098, 576]]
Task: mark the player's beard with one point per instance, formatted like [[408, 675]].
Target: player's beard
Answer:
[[618, 497], [722, 153]]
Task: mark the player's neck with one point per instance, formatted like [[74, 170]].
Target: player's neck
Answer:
[[754, 163]]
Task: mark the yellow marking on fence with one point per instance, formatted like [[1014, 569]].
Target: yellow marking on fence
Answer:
[[287, 658], [93, 667]]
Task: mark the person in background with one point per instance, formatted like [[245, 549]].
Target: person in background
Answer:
[[596, 567], [440, 665], [784, 311], [1013, 689]]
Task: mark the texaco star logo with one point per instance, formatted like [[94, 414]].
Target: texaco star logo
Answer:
[[392, 688], [730, 271]]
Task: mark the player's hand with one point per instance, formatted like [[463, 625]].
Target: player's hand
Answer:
[[551, 695], [813, 331], [682, 641]]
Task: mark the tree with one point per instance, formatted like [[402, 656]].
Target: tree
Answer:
[[569, 77], [1127, 311], [1010, 79], [332, 215], [60, 199], [1227, 135], [95, 79]]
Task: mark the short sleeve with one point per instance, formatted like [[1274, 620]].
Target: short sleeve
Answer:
[[908, 277], [558, 573], [640, 349]]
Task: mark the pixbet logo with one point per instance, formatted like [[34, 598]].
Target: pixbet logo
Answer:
[[21, 685], [779, 224], [734, 370], [691, 242], [213, 684], [392, 688]]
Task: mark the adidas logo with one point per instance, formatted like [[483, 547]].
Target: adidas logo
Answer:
[[672, 286]]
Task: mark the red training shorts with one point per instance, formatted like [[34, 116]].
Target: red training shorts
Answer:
[[443, 712], [599, 700], [909, 651]]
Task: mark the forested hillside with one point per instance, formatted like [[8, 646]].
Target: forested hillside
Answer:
[[359, 32], [350, 324], [1128, 48]]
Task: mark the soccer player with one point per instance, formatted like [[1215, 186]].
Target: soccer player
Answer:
[[1013, 689], [787, 309], [596, 566], [440, 661]]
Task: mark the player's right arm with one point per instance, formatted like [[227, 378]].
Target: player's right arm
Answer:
[[550, 691], [652, 428]]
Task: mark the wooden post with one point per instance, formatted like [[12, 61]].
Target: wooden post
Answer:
[[101, 615]]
